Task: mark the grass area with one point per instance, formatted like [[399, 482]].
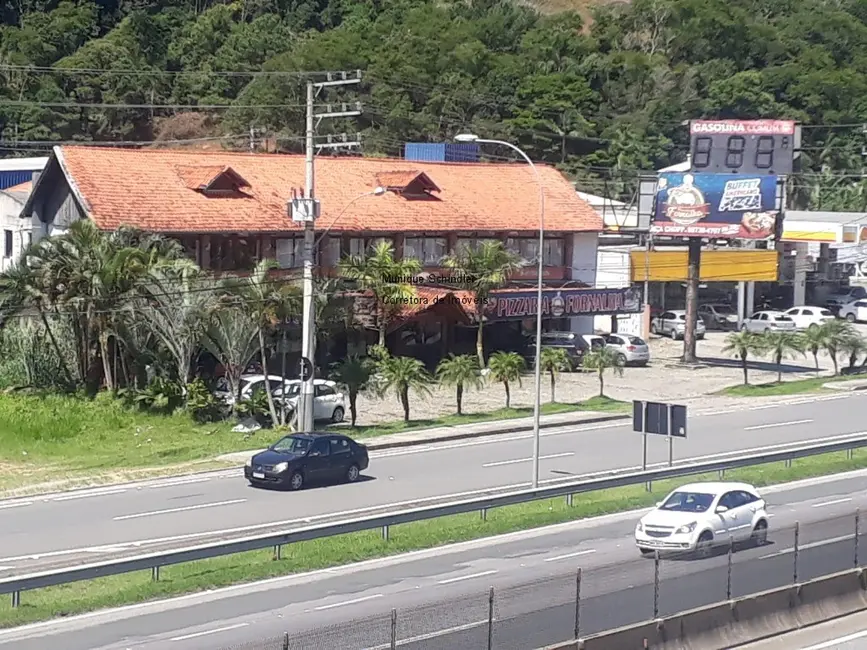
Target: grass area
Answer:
[[317, 554], [812, 385], [71, 441], [602, 404]]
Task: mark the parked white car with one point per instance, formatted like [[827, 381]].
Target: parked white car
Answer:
[[855, 311], [768, 321], [630, 349], [699, 516], [809, 317], [249, 385], [673, 324], [328, 402]]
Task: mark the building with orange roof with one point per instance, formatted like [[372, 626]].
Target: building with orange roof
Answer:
[[230, 209]]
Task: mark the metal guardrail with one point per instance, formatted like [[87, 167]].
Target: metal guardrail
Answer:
[[16, 584]]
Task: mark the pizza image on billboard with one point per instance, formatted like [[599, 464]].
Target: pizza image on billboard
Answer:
[[715, 205]]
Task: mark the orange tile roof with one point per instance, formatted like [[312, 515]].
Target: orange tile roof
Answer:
[[142, 188], [26, 186]]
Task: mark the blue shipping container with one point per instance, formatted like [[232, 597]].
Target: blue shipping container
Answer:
[[14, 177]]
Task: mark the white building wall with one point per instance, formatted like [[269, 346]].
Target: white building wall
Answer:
[[584, 264], [14, 227], [613, 272]]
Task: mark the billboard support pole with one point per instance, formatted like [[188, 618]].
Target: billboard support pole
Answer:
[[692, 280], [670, 450]]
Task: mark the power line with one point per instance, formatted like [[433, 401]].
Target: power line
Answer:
[[155, 72], [30, 103]]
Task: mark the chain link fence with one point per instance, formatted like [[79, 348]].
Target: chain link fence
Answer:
[[564, 606]]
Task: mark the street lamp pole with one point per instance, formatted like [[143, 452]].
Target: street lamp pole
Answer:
[[537, 402]]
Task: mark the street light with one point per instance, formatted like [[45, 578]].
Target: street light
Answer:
[[305, 402], [469, 137]]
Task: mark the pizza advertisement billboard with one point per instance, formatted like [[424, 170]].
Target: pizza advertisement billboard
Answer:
[[717, 206]]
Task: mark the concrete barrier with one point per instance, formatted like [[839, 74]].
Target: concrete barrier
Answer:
[[740, 621]]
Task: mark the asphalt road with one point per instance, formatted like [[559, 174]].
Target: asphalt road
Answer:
[[442, 594], [90, 525]]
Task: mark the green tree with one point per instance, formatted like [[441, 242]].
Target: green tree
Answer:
[[505, 368], [384, 277], [402, 374], [482, 269], [600, 360], [837, 332], [461, 372], [353, 374], [815, 339], [554, 361], [780, 346], [743, 345], [232, 337], [854, 347]]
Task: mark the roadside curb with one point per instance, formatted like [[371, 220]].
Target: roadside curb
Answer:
[[494, 432]]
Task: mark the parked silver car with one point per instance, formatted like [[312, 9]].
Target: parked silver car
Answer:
[[768, 321], [715, 316], [673, 323], [630, 349]]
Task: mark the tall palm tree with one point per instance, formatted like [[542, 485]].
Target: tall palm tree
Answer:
[[815, 339], [481, 269], [837, 333], [403, 374], [353, 374], [554, 361], [461, 372], [600, 360], [384, 277], [854, 347], [782, 345], [232, 337], [506, 368], [743, 344]]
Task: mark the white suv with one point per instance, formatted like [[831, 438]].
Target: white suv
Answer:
[[699, 516]]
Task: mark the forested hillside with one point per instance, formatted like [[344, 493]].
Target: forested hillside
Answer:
[[592, 95]]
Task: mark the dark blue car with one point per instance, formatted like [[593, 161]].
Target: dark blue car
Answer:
[[302, 458]]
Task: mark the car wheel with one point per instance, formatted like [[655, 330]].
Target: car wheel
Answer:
[[673, 335], [744, 327], [760, 533], [653, 329], [352, 473], [813, 326], [704, 545], [645, 551], [296, 481], [850, 318], [699, 337], [621, 359], [767, 330], [338, 414]]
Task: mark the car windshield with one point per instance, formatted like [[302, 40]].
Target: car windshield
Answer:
[[292, 445], [784, 319], [687, 502], [825, 312], [293, 390], [634, 340]]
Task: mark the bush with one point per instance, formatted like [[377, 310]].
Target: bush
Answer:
[[202, 405]]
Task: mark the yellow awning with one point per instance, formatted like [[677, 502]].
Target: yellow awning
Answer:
[[728, 265]]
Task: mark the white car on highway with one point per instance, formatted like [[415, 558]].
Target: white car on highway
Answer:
[[699, 516]]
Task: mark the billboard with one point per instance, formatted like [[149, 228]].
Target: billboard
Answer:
[[753, 147], [557, 303], [715, 206]]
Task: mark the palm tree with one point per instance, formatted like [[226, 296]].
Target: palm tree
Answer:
[[353, 373], [815, 339], [461, 371], [384, 277], [506, 367], [837, 333], [232, 337], [854, 347], [482, 269], [554, 361], [402, 374], [600, 360], [782, 345], [743, 344]]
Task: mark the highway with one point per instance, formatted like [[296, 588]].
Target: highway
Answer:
[[49, 531], [441, 594], [847, 633]]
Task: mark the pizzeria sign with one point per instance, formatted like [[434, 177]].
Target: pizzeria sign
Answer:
[[557, 303]]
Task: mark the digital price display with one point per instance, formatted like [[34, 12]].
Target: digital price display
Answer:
[[742, 147]]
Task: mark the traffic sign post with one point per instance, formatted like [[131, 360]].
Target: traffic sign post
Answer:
[[658, 418]]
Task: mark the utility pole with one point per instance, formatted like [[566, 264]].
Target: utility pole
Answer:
[[306, 210]]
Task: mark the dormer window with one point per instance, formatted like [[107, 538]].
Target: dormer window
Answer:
[[411, 183], [212, 180]]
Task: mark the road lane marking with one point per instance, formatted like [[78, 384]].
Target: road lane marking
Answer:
[[433, 635], [831, 503], [201, 506], [6, 568], [776, 424], [527, 460], [174, 483], [469, 577], [801, 547], [17, 504], [347, 602], [833, 643], [237, 626], [568, 555], [70, 497]]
